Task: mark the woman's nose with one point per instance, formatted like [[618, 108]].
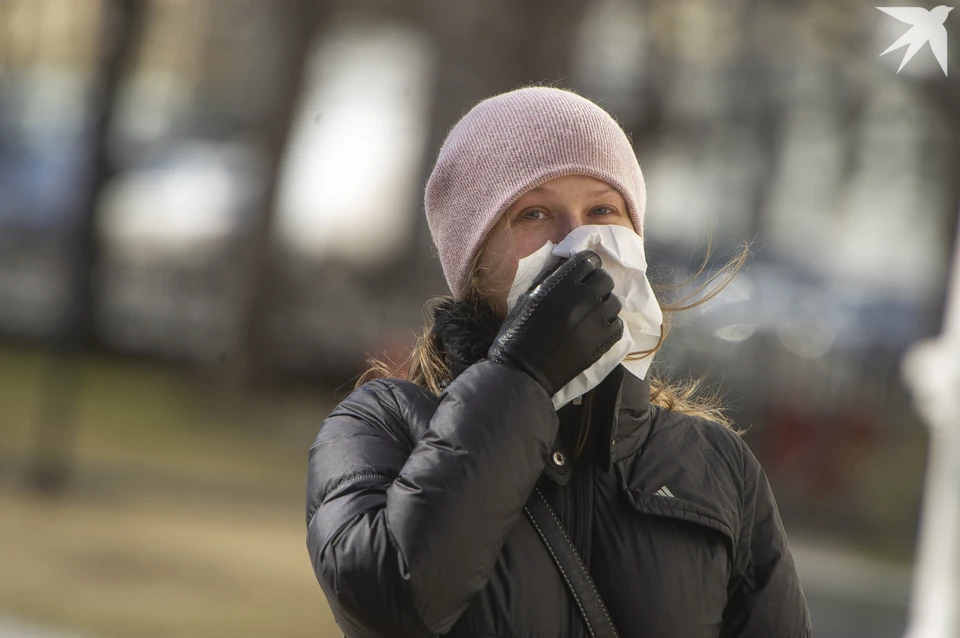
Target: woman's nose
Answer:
[[567, 224]]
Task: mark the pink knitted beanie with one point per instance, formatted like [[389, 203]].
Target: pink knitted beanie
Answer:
[[510, 143]]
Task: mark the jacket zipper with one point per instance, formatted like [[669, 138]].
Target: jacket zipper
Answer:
[[578, 510], [576, 532], [583, 484]]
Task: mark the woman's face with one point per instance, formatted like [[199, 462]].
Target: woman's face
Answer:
[[546, 213]]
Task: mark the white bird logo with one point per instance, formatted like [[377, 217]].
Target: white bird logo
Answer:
[[927, 27]]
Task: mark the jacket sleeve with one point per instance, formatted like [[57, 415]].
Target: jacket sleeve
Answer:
[[402, 540], [765, 597]]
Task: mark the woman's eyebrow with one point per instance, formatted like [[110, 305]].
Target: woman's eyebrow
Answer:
[[601, 191]]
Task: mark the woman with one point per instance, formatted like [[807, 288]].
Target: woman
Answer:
[[417, 486]]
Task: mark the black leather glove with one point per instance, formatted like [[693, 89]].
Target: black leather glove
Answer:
[[563, 324]]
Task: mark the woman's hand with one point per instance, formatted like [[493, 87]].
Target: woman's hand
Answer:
[[562, 325]]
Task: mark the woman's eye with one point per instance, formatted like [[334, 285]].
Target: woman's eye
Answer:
[[607, 210], [535, 214]]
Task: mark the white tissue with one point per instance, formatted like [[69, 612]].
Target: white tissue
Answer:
[[621, 251]]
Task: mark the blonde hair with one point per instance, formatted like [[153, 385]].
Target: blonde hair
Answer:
[[426, 367]]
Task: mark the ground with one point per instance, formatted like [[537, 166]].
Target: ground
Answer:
[[184, 520], [159, 567]]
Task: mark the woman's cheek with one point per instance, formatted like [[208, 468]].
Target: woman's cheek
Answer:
[[505, 277], [529, 243]]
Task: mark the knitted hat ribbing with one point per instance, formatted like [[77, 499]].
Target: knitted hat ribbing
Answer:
[[510, 143]]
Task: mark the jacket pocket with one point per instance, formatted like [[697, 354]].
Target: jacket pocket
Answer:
[[685, 560], [678, 508]]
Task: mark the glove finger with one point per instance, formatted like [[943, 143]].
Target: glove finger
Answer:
[[599, 281], [573, 270], [611, 307], [606, 334], [618, 331], [543, 277], [584, 264]]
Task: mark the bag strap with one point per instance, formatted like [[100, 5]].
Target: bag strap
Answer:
[[571, 566]]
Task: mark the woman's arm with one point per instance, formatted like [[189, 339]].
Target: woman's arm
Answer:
[[401, 541], [765, 595]]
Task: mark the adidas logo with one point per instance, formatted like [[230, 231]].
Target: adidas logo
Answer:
[[665, 492]]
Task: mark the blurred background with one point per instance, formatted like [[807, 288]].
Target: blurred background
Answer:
[[211, 213]]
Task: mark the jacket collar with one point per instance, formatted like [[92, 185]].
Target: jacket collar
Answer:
[[620, 423], [631, 416]]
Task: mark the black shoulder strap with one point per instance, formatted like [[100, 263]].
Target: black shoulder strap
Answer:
[[571, 567]]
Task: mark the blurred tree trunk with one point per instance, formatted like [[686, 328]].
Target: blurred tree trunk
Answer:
[[246, 357], [763, 113], [121, 31], [645, 125]]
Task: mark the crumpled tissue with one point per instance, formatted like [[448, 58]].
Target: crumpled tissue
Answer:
[[621, 250]]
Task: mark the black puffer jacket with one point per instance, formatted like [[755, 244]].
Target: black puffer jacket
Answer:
[[415, 524]]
